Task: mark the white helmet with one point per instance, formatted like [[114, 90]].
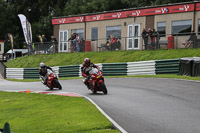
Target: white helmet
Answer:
[[42, 64]]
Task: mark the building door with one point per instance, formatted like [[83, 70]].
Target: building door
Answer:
[[133, 36], [63, 43], [150, 22]]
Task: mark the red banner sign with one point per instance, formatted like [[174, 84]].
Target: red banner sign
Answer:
[[161, 10], [131, 13], [198, 7], [68, 20]]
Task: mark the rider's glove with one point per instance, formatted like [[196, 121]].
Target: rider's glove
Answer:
[[88, 77]]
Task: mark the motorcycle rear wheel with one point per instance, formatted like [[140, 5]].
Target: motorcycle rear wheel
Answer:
[[94, 91], [57, 84], [103, 88]]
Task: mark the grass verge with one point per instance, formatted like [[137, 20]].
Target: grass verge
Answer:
[[39, 113], [65, 59]]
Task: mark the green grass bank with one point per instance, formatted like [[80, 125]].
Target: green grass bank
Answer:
[[40, 113], [64, 59]]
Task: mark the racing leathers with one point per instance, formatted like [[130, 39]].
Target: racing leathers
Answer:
[[43, 73], [85, 73]]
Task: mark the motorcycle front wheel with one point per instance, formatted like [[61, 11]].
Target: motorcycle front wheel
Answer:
[[103, 88], [57, 84]]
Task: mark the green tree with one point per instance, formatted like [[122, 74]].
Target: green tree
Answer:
[[40, 12]]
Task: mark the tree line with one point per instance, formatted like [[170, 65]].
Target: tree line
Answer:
[[40, 12]]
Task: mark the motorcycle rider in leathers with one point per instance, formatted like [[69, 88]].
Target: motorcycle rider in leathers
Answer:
[[85, 68], [43, 72]]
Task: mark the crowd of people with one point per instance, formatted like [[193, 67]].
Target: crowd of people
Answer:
[[151, 38], [43, 45], [75, 42], [112, 43]]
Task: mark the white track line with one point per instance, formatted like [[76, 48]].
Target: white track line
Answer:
[[115, 124]]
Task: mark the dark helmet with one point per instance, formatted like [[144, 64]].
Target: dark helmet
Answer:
[[87, 62]]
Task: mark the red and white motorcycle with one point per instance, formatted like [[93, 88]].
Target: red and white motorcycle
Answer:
[[52, 80], [96, 81]]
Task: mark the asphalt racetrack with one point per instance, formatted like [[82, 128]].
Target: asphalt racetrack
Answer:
[[138, 105]]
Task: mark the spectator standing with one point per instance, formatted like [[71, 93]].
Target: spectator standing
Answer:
[[77, 41], [155, 39], [55, 44], [73, 45], [44, 43], [145, 38], [192, 40], [150, 37]]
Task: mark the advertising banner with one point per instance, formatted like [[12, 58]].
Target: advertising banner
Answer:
[[26, 26], [68, 20], [130, 13]]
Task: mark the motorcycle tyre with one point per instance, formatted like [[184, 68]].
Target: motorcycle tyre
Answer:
[[93, 91], [57, 84], [50, 88], [103, 88]]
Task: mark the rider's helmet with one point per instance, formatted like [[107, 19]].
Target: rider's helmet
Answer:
[[87, 62], [42, 65]]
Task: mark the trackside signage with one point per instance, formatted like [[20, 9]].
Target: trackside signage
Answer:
[[68, 20], [161, 10], [198, 7], [130, 13]]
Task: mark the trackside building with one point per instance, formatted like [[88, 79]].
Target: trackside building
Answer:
[[127, 25]]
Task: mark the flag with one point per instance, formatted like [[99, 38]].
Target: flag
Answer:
[[26, 26], [40, 37], [10, 36]]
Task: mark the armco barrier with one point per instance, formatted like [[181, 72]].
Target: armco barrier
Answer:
[[114, 69], [170, 66], [141, 68], [109, 69], [31, 73], [56, 70], [15, 73], [69, 71]]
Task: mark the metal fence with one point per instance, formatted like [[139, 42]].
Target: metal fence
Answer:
[[162, 41], [43, 48]]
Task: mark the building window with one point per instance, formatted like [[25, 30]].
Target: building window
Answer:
[[63, 41], [161, 28], [94, 34], [183, 27], [80, 33], [114, 30]]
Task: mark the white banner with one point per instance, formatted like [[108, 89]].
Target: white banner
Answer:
[[26, 26]]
